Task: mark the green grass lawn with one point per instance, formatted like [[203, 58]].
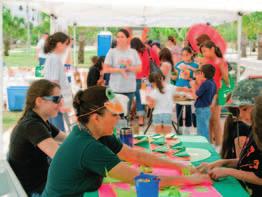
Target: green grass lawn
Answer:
[[25, 58], [10, 119]]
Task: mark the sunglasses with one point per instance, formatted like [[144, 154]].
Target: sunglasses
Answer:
[[54, 99]]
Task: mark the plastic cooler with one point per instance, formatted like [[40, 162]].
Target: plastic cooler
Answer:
[[16, 97], [103, 43]]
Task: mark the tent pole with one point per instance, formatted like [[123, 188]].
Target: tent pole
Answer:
[[239, 32], [28, 29], [1, 81], [74, 43]]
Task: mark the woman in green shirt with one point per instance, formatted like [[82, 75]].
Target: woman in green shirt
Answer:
[[91, 151]]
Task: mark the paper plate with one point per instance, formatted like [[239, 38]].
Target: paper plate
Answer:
[[198, 154]]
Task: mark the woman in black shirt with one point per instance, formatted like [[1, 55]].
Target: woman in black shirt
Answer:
[[33, 138], [236, 131], [248, 168], [95, 76]]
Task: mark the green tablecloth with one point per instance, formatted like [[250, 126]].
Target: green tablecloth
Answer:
[[227, 187]]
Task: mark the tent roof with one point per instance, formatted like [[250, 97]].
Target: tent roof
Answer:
[[164, 13]]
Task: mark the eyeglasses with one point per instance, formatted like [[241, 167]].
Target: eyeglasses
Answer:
[[54, 99]]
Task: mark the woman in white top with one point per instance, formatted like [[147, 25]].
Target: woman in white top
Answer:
[[123, 63], [161, 99], [55, 47]]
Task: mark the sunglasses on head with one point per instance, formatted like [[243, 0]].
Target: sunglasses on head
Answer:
[[54, 99]]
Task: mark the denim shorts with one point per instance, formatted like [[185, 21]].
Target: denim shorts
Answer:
[[162, 119]]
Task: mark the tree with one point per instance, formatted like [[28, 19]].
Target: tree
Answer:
[[13, 29], [43, 27]]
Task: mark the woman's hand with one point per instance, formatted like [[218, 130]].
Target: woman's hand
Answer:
[[219, 172], [206, 167]]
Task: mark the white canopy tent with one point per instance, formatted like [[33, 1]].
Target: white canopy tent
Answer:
[[151, 13]]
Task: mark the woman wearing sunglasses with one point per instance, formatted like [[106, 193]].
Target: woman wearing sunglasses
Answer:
[[34, 139], [91, 150]]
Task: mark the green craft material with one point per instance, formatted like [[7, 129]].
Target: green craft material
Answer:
[[125, 193], [110, 94], [186, 172], [178, 148], [201, 189], [140, 137], [109, 179], [181, 154], [161, 149], [159, 141], [146, 169], [172, 191], [143, 143], [185, 194], [173, 145], [170, 136]]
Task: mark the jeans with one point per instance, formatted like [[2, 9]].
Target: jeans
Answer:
[[140, 109], [58, 121], [188, 117], [41, 61], [202, 119]]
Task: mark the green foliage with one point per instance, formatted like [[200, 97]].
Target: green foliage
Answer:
[[38, 30], [161, 34], [14, 28], [252, 25]]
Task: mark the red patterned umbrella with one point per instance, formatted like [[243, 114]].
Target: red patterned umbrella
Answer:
[[201, 32]]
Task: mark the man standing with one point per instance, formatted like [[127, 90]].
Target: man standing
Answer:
[[40, 49]]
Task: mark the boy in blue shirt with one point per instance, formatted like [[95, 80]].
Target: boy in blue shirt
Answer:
[[204, 95]]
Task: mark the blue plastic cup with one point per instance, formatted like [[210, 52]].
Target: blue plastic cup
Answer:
[[147, 185], [126, 136]]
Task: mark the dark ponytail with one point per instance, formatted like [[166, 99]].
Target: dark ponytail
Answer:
[[157, 78], [210, 44], [227, 144], [52, 40], [89, 100]]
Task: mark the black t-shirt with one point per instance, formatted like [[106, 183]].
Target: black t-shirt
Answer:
[[29, 163], [112, 143], [93, 76], [237, 129], [251, 161]]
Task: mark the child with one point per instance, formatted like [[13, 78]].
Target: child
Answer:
[[204, 96], [161, 99], [185, 69]]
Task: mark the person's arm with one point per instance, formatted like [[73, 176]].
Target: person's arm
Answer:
[[134, 69], [148, 159], [125, 173], [249, 177], [61, 136], [239, 144], [224, 71], [205, 167], [49, 146], [150, 102]]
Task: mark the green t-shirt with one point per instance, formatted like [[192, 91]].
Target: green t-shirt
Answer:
[[80, 164]]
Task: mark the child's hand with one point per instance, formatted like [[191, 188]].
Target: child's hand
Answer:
[[198, 179], [218, 172]]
